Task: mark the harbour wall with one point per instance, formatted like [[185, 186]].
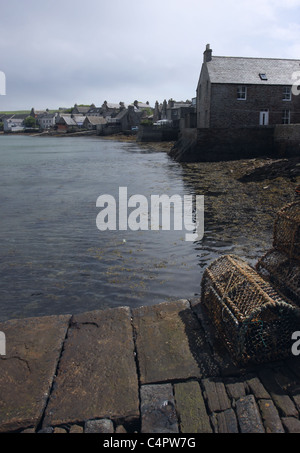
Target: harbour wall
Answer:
[[216, 144]]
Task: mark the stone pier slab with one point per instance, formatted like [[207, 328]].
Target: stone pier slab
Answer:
[[191, 408], [97, 375], [169, 343], [33, 348]]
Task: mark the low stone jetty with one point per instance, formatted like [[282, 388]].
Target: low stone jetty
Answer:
[[153, 369]]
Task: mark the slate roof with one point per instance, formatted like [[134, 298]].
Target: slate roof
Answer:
[[96, 119], [67, 120], [242, 70]]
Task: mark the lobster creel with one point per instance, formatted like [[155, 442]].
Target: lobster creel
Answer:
[[286, 237], [251, 317], [282, 272]]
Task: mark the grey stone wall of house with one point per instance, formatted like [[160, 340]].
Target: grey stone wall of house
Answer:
[[203, 99], [228, 111]]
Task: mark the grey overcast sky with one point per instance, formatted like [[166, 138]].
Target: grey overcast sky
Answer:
[[61, 52]]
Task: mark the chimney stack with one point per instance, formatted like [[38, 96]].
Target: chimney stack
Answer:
[[207, 55]]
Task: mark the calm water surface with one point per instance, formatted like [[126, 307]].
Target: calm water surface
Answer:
[[53, 258]]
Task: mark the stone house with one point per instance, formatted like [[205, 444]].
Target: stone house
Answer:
[[94, 122], [13, 124], [65, 123], [182, 114], [242, 92], [81, 109], [128, 118], [46, 120]]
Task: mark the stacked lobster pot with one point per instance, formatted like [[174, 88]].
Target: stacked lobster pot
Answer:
[[281, 264], [255, 311]]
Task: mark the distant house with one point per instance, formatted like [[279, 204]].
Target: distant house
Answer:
[[128, 118], [94, 123], [46, 120], [65, 123], [141, 105], [79, 119], [94, 111], [239, 92], [13, 124], [111, 109], [182, 114], [81, 109]]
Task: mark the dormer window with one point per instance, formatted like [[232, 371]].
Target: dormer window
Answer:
[[263, 76]]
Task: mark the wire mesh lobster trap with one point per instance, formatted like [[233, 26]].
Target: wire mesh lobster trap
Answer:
[[251, 317], [287, 230], [282, 272]]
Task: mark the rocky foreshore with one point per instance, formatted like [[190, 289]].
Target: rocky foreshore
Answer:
[[154, 369]]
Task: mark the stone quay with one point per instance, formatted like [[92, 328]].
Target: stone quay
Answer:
[[152, 369]]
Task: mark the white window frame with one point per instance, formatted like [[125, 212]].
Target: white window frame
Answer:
[[286, 117], [287, 93], [241, 93]]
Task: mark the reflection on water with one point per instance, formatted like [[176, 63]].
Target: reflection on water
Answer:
[[54, 260]]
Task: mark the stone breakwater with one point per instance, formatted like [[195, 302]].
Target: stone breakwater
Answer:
[[154, 369]]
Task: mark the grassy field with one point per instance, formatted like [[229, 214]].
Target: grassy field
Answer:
[[17, 112]]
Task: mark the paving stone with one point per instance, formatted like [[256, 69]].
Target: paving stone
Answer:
[[76, 429], [97, 375], [227, 422], [59, 431], [28, 431], [248, 415], [158, 412], [291, 424], [271, 419], [170, 343], [104, 426], [215, 393], [33, 348], [282, 401], [257, 388], [191, 409], [235, 388]]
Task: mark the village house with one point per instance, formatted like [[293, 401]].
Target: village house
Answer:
[[94, 122], [46, 120], [181, 114], [81, 109], [65, 123], [13, 124], [94, 111], [241, 92]]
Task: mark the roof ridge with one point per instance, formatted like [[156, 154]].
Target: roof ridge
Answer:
[[255, 58]]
